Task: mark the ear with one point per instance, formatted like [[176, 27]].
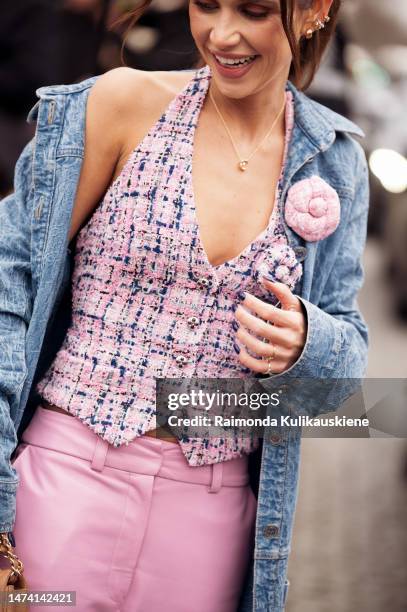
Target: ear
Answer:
[[314, 10], [325, 7]]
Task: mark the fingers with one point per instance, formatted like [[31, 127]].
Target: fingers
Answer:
[[282, 318], [283, 294], [263, 349], [262, 329], [280, 331], [260, 365]]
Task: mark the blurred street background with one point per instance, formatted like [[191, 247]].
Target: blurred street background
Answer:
[[349, 548], [350, 535]]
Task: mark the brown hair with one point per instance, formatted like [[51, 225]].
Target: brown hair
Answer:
[[307, 53]]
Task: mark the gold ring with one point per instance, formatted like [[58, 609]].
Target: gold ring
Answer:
[[269, 366], [270, 360], [274, 353]]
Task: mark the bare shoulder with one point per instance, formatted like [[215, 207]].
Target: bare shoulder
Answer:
[[122, 105], [148, 96], [136, 94], [128, 102]]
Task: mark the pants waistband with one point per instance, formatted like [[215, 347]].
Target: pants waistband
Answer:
[[143, 455]]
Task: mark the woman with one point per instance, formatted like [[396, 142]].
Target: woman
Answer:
[[170, 275]]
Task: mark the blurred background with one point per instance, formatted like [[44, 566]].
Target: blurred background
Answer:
[[350, 536]]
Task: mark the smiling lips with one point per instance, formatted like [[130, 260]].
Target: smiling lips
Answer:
[[227, 61], [234, 66]]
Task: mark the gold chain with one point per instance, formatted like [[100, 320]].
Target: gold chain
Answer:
[[243, 162], [7, 551]]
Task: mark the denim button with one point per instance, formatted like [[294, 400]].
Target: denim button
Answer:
[[286, 587], [300, 252], [271, 531], [51, 112], [275, 439]]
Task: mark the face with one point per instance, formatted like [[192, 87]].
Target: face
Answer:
[[248, 31]]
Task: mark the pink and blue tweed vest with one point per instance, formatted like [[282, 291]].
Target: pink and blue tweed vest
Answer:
[[146, 302]]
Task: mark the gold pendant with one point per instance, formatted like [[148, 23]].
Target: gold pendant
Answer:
[[243, 165]]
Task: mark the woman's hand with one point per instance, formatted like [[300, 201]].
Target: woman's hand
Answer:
[[282, 332]]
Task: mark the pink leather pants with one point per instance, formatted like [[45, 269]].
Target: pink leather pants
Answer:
[[133, 528]]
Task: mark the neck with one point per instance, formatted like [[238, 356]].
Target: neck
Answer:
[[250, 117]]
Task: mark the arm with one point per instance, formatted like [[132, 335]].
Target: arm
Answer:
[[337, 336], [117, 112], [15, 313]]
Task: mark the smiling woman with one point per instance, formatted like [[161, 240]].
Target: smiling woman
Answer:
[[207, 225]]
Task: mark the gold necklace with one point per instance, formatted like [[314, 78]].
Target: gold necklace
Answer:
[[244, 162]]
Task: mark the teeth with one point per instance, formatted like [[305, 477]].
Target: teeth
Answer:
[[235, 62]]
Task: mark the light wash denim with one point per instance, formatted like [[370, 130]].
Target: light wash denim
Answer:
[[36, 264]]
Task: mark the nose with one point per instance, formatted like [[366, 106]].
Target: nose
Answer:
[[223, 34]]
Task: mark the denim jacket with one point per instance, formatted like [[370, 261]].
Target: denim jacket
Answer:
[[36, 263]]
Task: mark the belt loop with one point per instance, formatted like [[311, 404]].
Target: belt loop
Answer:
[[216, 482], [99, 454]]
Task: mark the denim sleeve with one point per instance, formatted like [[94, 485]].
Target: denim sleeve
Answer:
[[15, 314], [337, 339]]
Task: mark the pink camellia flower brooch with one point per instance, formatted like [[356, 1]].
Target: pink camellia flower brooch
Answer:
[[312, 209]]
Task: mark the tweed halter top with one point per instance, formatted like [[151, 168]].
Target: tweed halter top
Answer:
[[146, 302]]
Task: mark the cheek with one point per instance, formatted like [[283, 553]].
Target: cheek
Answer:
[[199, 26], [198, 23], [273, 42]]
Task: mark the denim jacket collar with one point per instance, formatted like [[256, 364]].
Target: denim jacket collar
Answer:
[[318, 122]]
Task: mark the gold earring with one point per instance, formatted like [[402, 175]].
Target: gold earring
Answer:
[[318, 25]]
